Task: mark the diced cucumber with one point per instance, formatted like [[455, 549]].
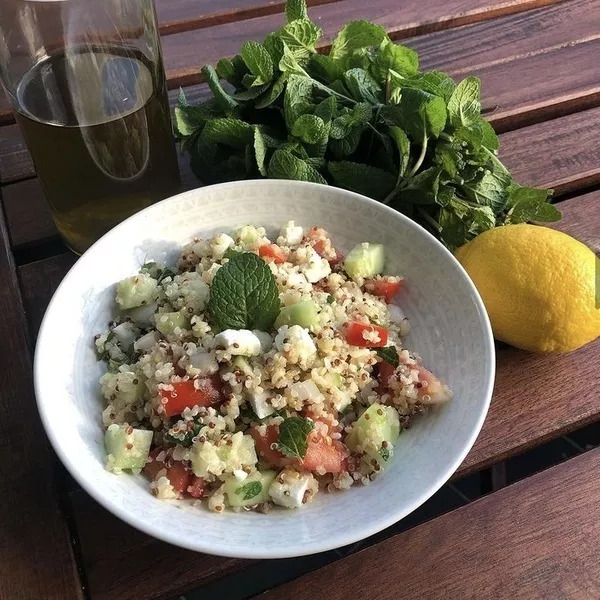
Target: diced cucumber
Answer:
[[252, 490], [365, 260], [336, 379], [126, 447], [171, 323], [304, 313], [207, 457], [143, 316], [247, 235], [136, 291], [241, 363], [375, 433]]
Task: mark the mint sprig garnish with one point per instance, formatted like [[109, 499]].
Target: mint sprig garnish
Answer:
[[293, 436], [363, 117], [244, 294], [389, 354]]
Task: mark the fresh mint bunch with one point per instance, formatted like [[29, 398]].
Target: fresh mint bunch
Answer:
[[362, 117]]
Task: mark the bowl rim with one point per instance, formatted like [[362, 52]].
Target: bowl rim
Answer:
[[44, 401]]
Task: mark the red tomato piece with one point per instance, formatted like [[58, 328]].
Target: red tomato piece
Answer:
[[386, 287], [353, 332], [196, 487], [186, 394], [263, 446], [323, 456], [272, 252], [320, 247], [177, 473]]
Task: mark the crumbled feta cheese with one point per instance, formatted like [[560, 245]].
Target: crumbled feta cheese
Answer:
[[240, 342], [147, 342], [315, 267], [298, 338], [266, 341], [259, 404], [290, 234], [240, 474], [290, 488], [219, 244]]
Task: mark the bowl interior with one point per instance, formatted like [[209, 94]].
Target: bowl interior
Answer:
[[449, 328]]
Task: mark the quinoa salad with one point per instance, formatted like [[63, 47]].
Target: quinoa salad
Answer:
[[258, 372]]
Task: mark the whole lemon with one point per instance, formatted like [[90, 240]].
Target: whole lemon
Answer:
[[538, 285]]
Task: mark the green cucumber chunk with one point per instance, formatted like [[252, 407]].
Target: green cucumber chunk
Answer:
[[242, 364], [365, 260], [168, 322], [375, 433], [136, 291], [126, 447], [252, 490], [304, 313]]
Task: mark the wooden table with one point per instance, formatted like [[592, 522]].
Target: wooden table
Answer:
[[539, 538]]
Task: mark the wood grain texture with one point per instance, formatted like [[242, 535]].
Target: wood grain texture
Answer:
[[561, 153], [123, 563], [186, 53], [534, 540], [36, 559]]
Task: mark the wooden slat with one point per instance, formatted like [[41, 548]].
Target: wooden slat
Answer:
[[537, 539], [186, 53], [121, 562], [36, 555]]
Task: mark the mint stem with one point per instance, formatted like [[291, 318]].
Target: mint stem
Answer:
[[420, 159]]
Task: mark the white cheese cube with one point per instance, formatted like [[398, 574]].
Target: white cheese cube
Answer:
[[238, 342], [315, 267], [290, 234], [219, 244], [290, 486], [298, 338], [266, 341], [259, 404]]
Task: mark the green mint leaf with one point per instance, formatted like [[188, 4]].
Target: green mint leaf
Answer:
[[274, 46], [403, 146], [289, 64], [384, 452], [181, 99], [293, 436], [401, 59], [356, 35], [310, 129], [345, 147], [231, 132], [251, 93], [300, 37], [448, 155], [531, 204], [258, 61], [330, 299], [490, 190], [389, 354], [297, 99], [421, 113], [284, 165], [249, 490], [244, 294], [260, 152], [363, 179], [232, 70], [423, 188], [362, 86], [295, 9], [453, 230], [464, 106], [272, 93], [326, 109], [325, 68], [225, 102], [356, 118], [489, 138], [434, 82]]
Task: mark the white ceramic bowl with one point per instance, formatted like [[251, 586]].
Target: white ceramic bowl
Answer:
[[449, 328]]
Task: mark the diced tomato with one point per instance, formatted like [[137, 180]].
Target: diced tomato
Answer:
[[263, 446], [196, 487], [434, 389], [385, 287], [353, 332], [177, 473], [272, 252], [320, 250], [321, 455], [186, 394], [385, 372]]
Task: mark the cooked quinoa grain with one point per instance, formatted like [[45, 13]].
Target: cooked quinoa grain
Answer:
[[243, 405]]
